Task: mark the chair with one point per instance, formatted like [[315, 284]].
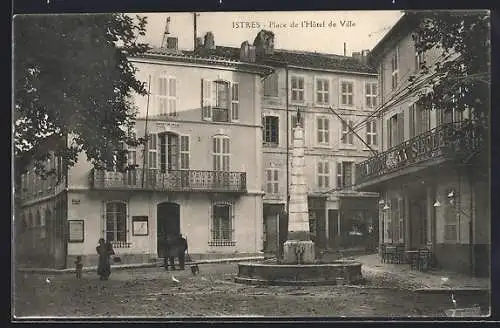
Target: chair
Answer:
[[400, 254], [390, 254], [424, 259]]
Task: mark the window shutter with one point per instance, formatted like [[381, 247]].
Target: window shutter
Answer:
[[235, 101], [206, 99], [389, 133], [411, 119], [172, 96], [401, 121]]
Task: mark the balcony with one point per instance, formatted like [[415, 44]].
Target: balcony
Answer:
[[172, 180], [220, 114], [452, 141]]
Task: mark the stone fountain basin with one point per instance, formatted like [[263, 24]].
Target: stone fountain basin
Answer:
[[332, 273]]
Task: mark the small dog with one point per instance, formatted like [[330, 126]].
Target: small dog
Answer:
[[194, 266], [195, 269], [78, 267]]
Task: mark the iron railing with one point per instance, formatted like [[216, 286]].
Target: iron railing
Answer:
[[171, 180], [452, 140]]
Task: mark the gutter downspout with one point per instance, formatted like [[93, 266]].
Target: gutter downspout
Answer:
[[287, 143]]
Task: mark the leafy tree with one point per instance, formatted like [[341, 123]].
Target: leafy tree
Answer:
[[72, 77], [463, 70]]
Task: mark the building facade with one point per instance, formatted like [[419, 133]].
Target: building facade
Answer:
[[315, 84], [199, 174], [431, 194]]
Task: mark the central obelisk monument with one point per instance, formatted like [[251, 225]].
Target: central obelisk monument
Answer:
[[299, 248]]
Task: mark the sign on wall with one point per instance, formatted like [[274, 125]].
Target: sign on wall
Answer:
[[139, 225], [76, 232]]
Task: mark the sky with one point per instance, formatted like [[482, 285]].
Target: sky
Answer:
[[358, 29]]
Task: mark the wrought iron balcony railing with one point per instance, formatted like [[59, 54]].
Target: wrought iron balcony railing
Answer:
[[171, 180], [453, 140]]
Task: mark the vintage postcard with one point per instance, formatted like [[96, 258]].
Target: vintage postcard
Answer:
[[251, 164]]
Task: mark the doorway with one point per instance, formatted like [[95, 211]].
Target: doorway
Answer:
[[168, 221]]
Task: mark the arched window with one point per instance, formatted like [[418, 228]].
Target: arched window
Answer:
[[116, 221]]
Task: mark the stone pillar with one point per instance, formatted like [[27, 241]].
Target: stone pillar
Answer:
[[299, 248]]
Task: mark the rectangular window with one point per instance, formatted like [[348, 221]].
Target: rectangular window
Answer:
[[344, 174], [271, 85], [272, 181], [222, 224], [220, 101], [167, 96], [271, 130], [395, 68], [419, 60], [371, 133], [346, 93], [347, 137], [116, 222], [388, 228], [371, 94], [297, 89], [322, 92], [221, 153], [152, 152], [323, 128], [184, 152], [323, 174], [235, 102], [396, 129]]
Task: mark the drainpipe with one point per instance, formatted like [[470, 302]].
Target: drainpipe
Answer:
[[287, 143], [287, 153]]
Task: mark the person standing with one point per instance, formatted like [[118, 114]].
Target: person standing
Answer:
[[170, 252], [181, 251], [104, 250]]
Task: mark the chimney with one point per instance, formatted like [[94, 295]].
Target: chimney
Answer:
[[364, 56], [172, 43], [199, 43], [357, 55], [209, 41], [247, 52], [264, 43]]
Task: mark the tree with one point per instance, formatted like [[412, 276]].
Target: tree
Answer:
[[463, 70], [72, 77]]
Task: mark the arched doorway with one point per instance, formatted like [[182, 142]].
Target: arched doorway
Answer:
[[168, 221]]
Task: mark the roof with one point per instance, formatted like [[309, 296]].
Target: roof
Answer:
[[307, 60], [204, 58]]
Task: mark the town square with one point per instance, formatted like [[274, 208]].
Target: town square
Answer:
[[271, 164]]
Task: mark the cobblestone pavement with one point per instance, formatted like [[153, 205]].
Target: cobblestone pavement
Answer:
[[153, 293], [402, 276]]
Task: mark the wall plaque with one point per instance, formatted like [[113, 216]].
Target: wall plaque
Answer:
[[76, 233]]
